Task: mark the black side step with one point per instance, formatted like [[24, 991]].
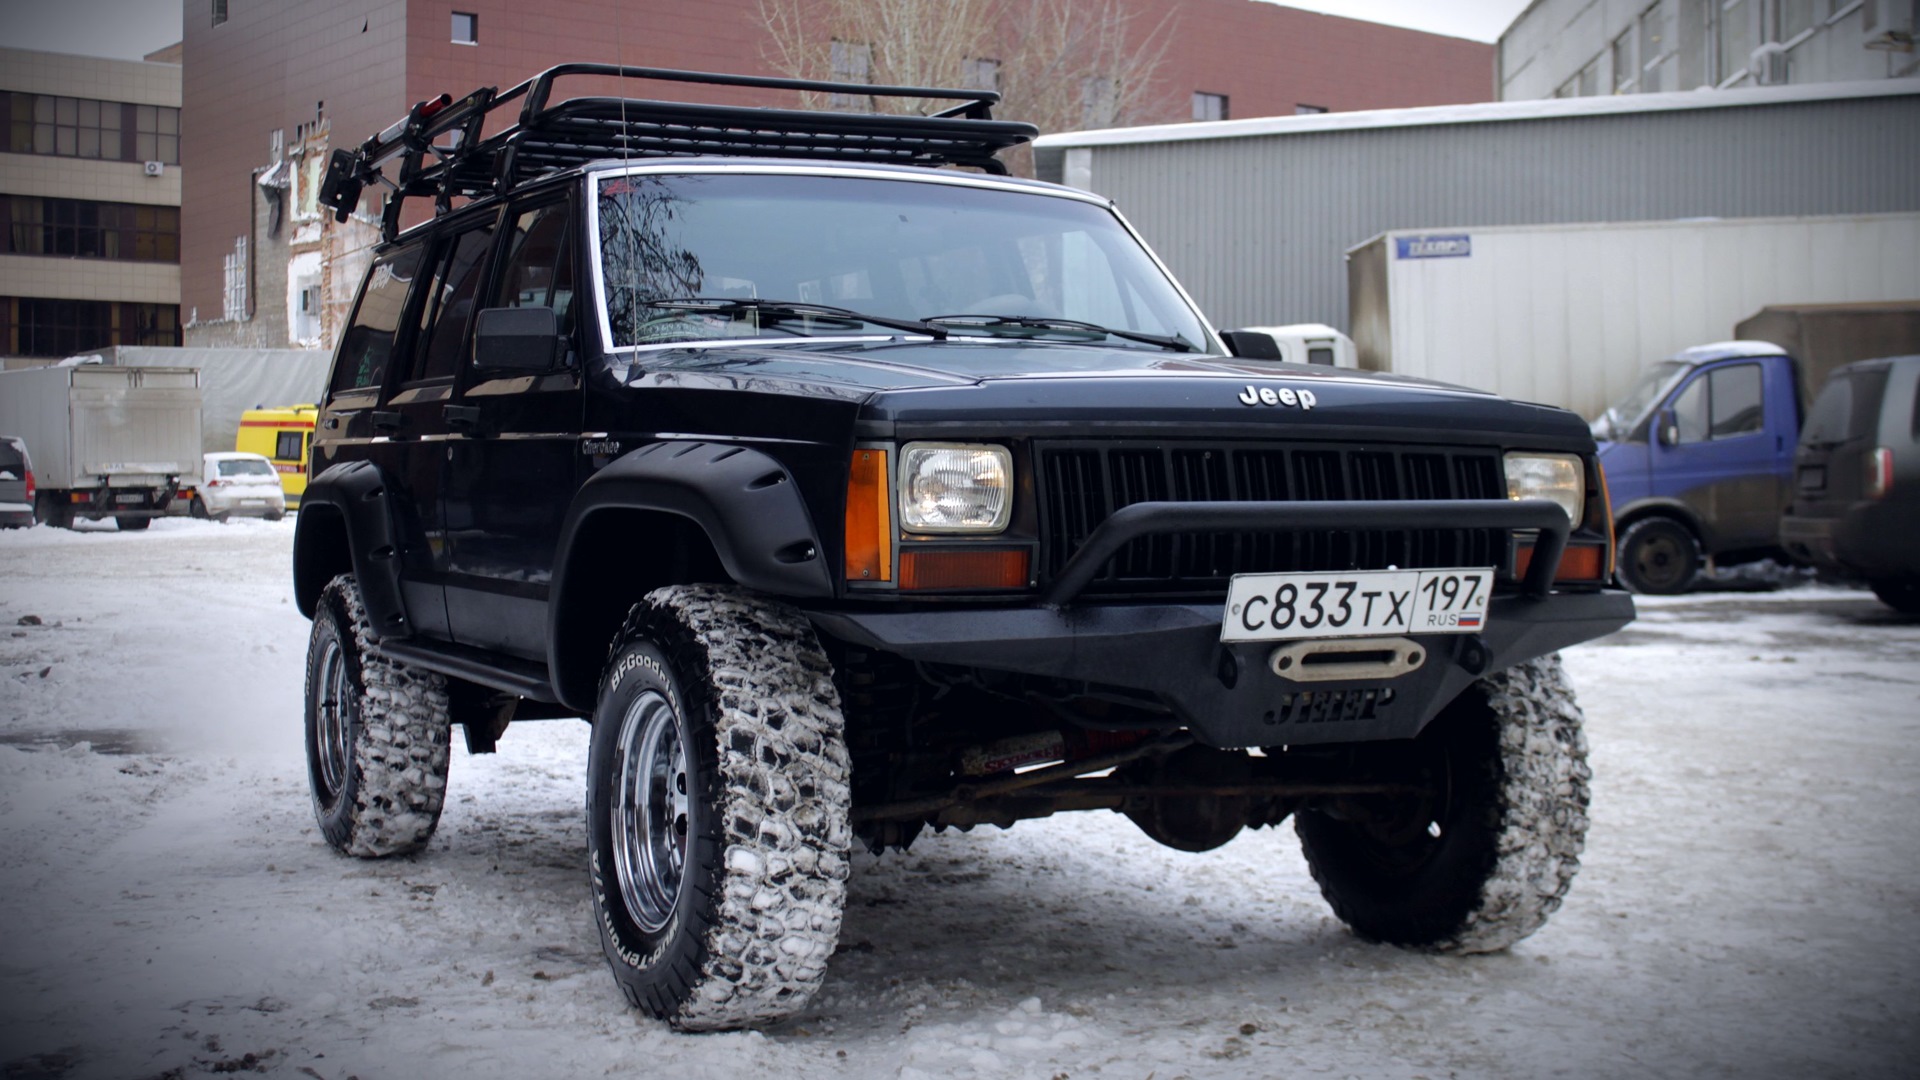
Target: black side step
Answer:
[[522, 678]]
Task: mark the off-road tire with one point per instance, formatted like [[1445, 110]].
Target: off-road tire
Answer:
[[377, 763], [1901, 596], [1658, 557], [128, 523], [1509, 761], [743, 936]]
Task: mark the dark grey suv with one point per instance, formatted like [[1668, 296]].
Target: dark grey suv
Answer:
[[1856, 506]]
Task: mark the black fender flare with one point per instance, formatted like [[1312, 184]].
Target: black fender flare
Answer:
[[744, 501], [361, 493]]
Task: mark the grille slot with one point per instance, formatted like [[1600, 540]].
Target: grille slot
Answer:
[[1081, 485]]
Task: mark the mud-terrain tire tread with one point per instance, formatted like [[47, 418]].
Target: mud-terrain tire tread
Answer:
[[1534, 825], [760, 916], [391, 800]]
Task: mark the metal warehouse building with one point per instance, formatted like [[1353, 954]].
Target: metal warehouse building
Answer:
[[1255, 216]]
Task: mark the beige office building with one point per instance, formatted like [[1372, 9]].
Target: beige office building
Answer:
[[89, 202]]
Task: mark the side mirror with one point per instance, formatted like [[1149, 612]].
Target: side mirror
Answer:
[[1667, 428], [517, 341], [1251, 345]]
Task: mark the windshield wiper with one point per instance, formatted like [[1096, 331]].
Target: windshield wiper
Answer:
[[778, 310], [1048, 322]]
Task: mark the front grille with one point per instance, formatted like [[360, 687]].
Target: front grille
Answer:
[[1081, 484]]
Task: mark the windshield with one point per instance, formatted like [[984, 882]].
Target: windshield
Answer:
[[1624, 415], [895, 250], [245, 467]]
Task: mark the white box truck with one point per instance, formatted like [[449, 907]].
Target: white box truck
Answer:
[[1570, 315], [106, 441]]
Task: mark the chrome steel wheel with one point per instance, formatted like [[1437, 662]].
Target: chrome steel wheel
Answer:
[[333, 720], [649, 809]]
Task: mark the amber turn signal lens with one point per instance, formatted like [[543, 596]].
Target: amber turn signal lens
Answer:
[[869, 525], [1580, 562], [984, 568]]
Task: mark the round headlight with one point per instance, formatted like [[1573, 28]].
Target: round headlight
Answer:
[[1557, 478], [955, 488]]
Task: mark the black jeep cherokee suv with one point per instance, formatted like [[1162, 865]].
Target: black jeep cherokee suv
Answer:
[[850, 487]]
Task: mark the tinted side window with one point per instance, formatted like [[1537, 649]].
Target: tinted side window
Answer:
[[540, 263], [367, 345], [1737, 408], [286, 446], [1827, 420], [457, 284]]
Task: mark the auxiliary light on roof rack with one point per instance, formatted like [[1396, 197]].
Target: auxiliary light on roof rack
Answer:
[[578, 130]]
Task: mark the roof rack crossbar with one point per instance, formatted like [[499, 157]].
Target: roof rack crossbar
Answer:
[[540, 87], [441, 151]]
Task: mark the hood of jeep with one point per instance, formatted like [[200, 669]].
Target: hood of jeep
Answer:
[[909, 389]]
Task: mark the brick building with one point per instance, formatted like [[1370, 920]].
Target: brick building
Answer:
[[89, 203], [270, 87]]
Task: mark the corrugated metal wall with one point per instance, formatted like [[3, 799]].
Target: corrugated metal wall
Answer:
[[1257, 227]]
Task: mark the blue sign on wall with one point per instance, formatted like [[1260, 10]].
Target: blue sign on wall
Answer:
[[1433, 247]]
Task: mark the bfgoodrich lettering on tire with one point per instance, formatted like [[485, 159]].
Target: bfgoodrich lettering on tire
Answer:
[[1484, 856], [717, 809], [377, 735]]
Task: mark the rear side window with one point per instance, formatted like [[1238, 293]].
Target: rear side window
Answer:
[[1827, 421], [1847, 409], [539, 265], [367, 346], [10, 457], [444, 327]]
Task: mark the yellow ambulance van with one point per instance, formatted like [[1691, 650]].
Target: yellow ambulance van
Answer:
[[283, 436]]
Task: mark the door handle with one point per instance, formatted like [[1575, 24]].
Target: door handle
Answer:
[[387, 421], [462, 417]]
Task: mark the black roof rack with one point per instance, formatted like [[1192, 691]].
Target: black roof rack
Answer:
[[579, 130]]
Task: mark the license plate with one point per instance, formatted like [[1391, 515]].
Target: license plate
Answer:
[[1357, 603], [1813, 477], [129, 500]]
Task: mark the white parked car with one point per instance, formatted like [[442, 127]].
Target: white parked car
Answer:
[[235, 483]]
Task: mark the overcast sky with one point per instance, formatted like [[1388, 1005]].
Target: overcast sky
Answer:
[[132, 28]]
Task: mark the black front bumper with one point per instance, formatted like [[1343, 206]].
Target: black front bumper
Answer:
[[1226, 692]]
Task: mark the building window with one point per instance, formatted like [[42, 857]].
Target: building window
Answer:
[[90, 230], [1099, 102], [1209, 106], [1590, 77], [31, 326], [980, 74], [1738, 37], [1655, 48], [466, 28], [233, 285], [156, 134], [86, 128], [219, 12], [1625, 72], [1798, 17], [852, 63], [1303, 109]]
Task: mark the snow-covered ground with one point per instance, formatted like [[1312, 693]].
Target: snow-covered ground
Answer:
[[1749, 904]]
